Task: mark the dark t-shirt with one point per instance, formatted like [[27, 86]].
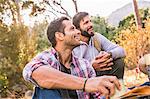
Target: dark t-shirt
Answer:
[[72, 93]]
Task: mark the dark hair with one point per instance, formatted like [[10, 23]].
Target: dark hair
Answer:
[[78, 17], [55, 26]]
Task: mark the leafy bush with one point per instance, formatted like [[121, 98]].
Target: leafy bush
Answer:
[[135, 42], [101, 26], [17, 47]]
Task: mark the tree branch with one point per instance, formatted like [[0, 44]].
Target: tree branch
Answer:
[[75, 4], [58, 4]]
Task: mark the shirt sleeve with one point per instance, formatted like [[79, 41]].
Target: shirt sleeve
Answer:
[[30, 67], [81, 50], [90, 70], [108, 46]]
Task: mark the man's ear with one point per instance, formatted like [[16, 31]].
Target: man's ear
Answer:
[[59, 35]]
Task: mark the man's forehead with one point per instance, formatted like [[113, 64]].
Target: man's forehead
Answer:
[[86, 18], [67, 23]]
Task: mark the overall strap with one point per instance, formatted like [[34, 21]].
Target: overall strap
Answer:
[[97, 43]]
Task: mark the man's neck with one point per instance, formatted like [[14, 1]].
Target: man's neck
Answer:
[[85, 39], [65, 56]]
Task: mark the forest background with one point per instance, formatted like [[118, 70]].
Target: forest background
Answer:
[[20, 42]]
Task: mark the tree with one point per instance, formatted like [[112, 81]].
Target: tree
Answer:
[[137, 17], [17, 47], [42, 40], [101, 26], [53, 7], [135, 43], [10, 9], [130, 20]]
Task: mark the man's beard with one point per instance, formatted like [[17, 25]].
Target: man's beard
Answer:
[[86, 34]]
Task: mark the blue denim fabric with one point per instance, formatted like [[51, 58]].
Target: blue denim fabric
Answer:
[[145, 84], [46, 94]]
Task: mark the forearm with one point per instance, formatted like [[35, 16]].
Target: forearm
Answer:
[[117, 52], [108, 46], [50, 78]]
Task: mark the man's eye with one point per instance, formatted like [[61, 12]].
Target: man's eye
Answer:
[[72, 28], [86, 22]]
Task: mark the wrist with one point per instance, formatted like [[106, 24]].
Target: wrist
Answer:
[[85, 82], [110, 53]]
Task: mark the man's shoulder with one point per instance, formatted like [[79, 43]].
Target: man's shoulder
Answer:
[[48, 53], [80, 59], [97, 35], [83, 63]]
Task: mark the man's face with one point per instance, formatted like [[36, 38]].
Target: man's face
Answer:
[[72, 35], [86, 25]]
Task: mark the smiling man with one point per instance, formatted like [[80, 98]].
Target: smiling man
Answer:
[[104, 55], [58, 74]]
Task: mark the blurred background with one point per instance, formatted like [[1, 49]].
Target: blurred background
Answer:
[[23, 24]]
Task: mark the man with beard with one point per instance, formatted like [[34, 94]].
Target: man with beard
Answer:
[[104, 55], [58, 74]]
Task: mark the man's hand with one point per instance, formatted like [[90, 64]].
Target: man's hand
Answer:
[[102, 62], [105, 85]]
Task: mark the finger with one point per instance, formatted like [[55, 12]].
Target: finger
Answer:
[[114, 80], [98, 61], [109, 60], [104, 69], [104, 91], [102, 55], [100, 66], [111, 88], [102, 60], [107, 55], [99, 56], [110, 64]]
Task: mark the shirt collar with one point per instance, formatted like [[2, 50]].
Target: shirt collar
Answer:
[[54, 52]]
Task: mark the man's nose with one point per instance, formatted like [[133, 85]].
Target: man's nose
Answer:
[[90, 23], [78, 31]]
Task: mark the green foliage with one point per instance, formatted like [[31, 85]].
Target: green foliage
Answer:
[[3, 83], [101, 26], [42, 40], [17, 47], [27, 4], [135, 42], [130, 20], [126, 22]]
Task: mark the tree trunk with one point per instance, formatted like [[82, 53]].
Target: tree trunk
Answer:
[[137, 17]]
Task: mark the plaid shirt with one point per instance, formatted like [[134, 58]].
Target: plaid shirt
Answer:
[[80, 68]]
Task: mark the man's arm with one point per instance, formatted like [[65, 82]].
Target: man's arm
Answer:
[[53, 79], [108, 46], [102, 62]]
